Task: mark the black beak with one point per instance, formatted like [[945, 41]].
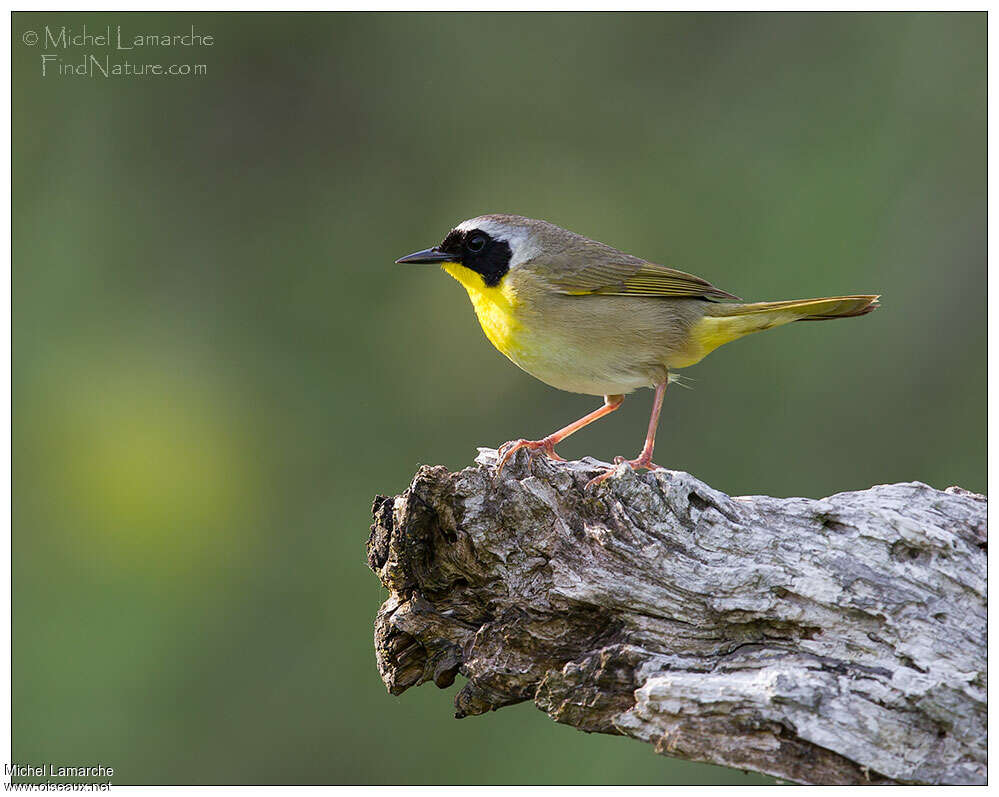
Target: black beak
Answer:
[[434, 255]]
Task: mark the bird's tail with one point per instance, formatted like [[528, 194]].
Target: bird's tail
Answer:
[[728, 322]]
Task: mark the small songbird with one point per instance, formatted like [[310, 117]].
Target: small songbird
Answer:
[[584, 317]]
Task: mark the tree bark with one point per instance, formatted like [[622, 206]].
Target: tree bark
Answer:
[[840, 640]]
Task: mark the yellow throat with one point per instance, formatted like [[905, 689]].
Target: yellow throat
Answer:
[[496, 308]]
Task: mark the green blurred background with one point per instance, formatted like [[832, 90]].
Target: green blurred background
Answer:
[[216, 363]]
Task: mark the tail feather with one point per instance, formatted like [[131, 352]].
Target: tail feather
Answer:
[[853, 306], [807, 309], [728, 322]]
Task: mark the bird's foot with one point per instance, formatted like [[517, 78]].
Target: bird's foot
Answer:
[[643, 462], [507, 450]]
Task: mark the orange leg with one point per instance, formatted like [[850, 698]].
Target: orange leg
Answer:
[[547, 444], [644, 459]]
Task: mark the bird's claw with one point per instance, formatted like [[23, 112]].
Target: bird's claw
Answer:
[[507, 450], [645, 463]]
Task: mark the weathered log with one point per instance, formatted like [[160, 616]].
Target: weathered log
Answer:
[[840, 640]]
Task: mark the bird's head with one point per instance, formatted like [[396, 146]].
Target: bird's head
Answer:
[[491, 245]]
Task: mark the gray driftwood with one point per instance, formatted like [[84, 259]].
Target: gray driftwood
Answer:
[[832, 641]]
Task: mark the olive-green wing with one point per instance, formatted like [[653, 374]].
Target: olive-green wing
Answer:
[[599, 269]]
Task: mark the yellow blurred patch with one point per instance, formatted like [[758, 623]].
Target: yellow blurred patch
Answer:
[[147, 468]]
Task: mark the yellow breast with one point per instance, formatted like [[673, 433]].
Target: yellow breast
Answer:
[[496, 308]]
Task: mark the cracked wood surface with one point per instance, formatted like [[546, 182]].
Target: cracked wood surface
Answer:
[[840, 640]]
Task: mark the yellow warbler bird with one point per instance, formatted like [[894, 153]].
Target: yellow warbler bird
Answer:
[[584, 317]]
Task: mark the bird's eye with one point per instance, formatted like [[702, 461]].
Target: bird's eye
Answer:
[[476, 243]]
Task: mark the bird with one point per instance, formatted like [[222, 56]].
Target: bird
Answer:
[[584, 317]]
